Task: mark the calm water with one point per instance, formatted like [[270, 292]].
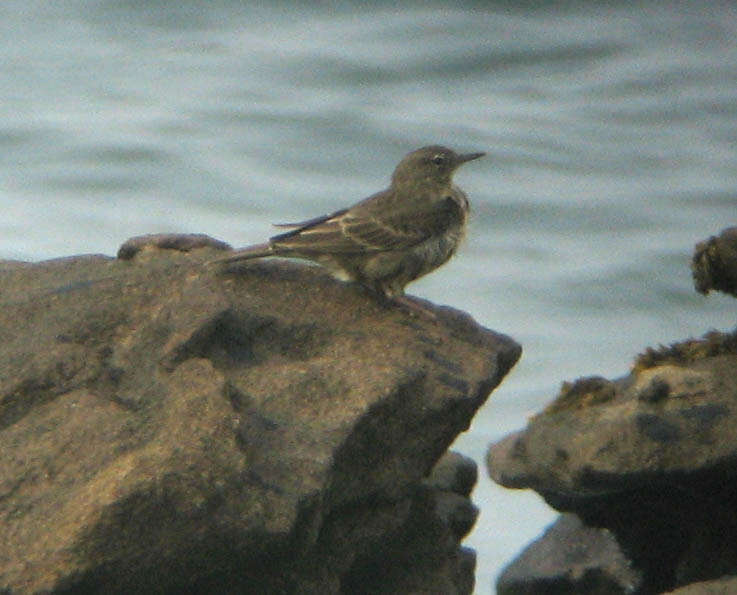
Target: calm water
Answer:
[[611, 131]]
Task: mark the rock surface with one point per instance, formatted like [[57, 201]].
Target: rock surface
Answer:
[[570, 558], [714, 264], [168, 426], [723, 586], [651, 457]]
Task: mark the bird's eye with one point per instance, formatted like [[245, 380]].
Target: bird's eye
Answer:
[[439, 159]]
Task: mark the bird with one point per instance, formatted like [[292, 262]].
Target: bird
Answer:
[[392, 237]]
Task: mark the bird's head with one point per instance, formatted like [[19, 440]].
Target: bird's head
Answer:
[[433, 164]]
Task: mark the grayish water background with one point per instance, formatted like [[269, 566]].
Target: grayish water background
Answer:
[[611, 130]]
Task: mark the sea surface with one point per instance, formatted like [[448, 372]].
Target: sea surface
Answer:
[[610, 127]]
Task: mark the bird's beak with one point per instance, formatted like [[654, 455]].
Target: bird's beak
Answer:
[[469, 157]]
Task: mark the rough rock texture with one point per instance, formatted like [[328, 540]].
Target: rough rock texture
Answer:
[[570, 558], [173, 427], [714, 263], [651, 457], [723, 586]]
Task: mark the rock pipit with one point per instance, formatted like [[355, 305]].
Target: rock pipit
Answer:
[[390, 238]]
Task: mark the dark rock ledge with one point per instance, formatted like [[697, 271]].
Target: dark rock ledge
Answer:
[[173, 427], [646, 467]]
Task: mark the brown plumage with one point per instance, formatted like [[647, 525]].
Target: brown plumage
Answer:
[[390, 238]]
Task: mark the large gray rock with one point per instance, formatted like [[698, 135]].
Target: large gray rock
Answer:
[[172, 427]]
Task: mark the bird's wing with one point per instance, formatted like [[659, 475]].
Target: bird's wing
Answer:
[[366, 228], [310, 222]]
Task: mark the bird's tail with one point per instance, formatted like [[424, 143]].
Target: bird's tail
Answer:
[[256, 251]]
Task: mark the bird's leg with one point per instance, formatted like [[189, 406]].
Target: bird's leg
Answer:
[[396, 297]]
